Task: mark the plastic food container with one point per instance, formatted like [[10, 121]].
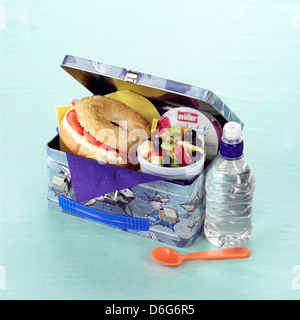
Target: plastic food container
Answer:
[[188, 172]]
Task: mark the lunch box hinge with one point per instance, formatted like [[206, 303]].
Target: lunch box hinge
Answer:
[[132, 76]]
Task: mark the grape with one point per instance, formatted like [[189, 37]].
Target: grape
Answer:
[[196, 156], [190, 135], [157, 143], [197, 142]]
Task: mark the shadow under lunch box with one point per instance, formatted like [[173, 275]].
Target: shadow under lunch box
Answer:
[[165, 211]]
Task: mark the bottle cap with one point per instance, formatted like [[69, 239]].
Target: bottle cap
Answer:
[[232, 133], [231, 144]]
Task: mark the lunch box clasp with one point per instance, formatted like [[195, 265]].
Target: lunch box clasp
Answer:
[[132, 76]]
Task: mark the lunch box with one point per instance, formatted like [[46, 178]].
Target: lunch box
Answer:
[[170, 212]]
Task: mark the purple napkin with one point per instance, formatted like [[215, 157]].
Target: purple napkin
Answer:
[[91, 179]]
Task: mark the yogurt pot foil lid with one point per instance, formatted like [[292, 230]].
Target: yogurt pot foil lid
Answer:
[[203, 123]]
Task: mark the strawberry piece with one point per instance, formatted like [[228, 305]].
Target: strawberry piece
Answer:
[[155, 153], [163, 123], [182, 156]]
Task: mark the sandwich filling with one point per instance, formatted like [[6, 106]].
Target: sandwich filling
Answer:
[[83, 137]]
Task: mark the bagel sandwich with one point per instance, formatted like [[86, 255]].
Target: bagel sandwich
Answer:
[[105, 129]]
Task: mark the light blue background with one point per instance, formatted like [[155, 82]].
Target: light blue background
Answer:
[[247, 52]]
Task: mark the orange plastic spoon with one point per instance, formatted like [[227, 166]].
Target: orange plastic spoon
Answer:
[[171, 257]]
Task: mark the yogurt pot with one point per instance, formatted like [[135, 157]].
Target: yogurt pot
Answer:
[[188, 172], [202, 122]]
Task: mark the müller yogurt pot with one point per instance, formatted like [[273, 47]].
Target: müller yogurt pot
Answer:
[[202, 122]]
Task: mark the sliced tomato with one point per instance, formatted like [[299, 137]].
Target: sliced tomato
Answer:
[[74, 123], [124, 155], [108, 148], [92, 139], [74, 102], [96, 142]]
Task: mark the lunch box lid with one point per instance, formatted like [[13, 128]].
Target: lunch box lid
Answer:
[[100, 79]]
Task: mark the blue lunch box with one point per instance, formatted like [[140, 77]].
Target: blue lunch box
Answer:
[[165, 211]]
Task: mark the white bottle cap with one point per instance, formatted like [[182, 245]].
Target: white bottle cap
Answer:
[[232, 133]]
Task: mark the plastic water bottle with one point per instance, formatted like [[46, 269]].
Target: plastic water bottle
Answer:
[[229, 193]]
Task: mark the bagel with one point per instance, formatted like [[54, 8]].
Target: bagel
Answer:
[[104, 127]]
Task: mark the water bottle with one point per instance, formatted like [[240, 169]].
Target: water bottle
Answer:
[[229, 193]]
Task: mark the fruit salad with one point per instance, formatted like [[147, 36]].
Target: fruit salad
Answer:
[[173, 147]]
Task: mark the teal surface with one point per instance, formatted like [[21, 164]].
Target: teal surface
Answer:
[[247, 52]]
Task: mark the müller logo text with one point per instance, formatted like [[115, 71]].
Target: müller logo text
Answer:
[[187, 116]]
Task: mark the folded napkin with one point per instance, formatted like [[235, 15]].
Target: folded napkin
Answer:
[[91, 179]]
